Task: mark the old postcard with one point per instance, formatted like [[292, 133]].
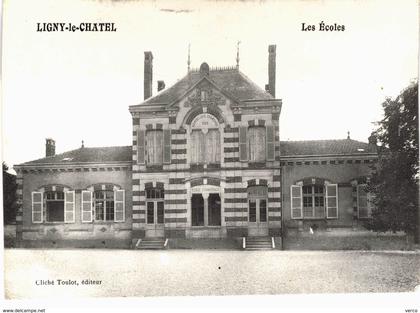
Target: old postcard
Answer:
[[210, 148]]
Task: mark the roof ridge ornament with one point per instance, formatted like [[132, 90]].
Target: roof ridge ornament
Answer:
[[204, 69], [189, 58], [237, 54]]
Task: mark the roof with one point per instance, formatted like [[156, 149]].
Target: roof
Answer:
[[85, 155], [229, 80], [325, 147], [287, 149]]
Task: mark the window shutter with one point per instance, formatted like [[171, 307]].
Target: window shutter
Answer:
[[296, 201], [243, 153], [69, 201], [86, 206], [141, 147], [270, 143], [119, 196], [37, 204], [167, 146], [332, 201]]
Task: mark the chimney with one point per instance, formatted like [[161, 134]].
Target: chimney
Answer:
[[272, 70], [161, 85], [373, 139], [49, 147], [148, 74]]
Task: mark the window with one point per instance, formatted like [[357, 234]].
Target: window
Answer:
[[314, 201], [59, 206], [198, 154], [257, 204], [54, 206], [155, 206], [256, 143], [364, 202], [104, 205], [205, 148], [154, 147], [204, 95]]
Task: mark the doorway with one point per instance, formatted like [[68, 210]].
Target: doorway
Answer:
[[214, 211], [155, 213], [197, 210], [206, 209], [257, 211]]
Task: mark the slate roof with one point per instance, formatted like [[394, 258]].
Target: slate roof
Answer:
[[231, 81], [92, 155], [325, 147], [287, 149]]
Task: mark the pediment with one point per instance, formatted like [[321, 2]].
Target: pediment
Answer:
[[205, 94]]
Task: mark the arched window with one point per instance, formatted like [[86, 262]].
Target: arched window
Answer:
[[54, 206], [103, 202], [205, 143], [314, 199]]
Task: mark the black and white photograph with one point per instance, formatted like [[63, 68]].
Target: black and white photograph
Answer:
[[261, 152]]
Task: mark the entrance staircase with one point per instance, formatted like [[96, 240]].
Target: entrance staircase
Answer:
[[152, 244], [259, 243]]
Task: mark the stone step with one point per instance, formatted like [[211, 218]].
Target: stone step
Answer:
[[256, 249], [258, 243], [152, 244]]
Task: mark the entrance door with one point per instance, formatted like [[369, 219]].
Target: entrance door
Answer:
[[155, 216], [257, 211], [197, 210], [214, 210]]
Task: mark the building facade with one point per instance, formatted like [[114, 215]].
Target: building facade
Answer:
[[206, 161]]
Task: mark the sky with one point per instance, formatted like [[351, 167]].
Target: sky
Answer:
[[78, 86]]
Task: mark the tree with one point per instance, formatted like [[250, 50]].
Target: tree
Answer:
[[9, 196], [394, 184]]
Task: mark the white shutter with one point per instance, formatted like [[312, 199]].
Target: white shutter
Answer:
[[141, 149], [37, 207], [119, 214], [69, 204], [270, 142], [296, 201], [332, 200], [86, 206], [167, 146]]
